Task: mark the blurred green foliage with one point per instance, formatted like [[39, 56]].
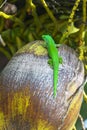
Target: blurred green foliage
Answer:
[[22, 22]]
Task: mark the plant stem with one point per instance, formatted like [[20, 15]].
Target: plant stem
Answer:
[[82, 32], [31, 5], [50, 15], [65, 35], [11, 17]]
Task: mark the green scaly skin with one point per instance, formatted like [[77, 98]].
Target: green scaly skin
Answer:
[[53, 54]]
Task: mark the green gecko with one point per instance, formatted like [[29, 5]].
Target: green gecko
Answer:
[[55, 59]]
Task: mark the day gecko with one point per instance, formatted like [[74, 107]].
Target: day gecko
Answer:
[[55, 59]]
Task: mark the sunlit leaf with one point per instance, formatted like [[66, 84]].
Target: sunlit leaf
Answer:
[[73, 29]]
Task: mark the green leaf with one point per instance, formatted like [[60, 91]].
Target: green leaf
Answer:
[[73, 29]]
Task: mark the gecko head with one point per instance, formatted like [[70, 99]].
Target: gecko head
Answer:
[[46, 38]]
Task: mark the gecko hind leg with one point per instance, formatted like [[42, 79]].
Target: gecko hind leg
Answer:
[[50, 63], [60, 60]]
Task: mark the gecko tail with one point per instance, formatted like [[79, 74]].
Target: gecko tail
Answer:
[[55, 91], [55, 82]]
